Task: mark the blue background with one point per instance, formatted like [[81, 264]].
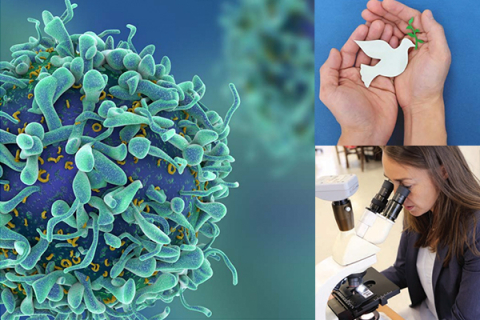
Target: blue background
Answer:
[[336, 20], [268, 232]]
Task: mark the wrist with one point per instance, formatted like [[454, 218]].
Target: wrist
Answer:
[[424, 105], [361, 138], [425, 123]]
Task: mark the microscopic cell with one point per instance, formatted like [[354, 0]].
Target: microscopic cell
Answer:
[[110, 176], [269, 53]]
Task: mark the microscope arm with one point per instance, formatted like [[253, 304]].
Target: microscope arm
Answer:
[[328, 274]]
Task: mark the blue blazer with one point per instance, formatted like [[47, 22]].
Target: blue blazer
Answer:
[[456, 287]]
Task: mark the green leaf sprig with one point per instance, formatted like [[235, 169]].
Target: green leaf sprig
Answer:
[[414, 34]]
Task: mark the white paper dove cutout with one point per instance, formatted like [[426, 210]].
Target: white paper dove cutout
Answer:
[[392, 61]]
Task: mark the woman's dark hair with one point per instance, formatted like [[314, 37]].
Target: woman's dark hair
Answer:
[[453, 223]]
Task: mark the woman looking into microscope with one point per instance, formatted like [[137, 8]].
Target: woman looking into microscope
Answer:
[[438, 259]]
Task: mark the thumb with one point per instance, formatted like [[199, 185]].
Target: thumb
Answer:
[[437, 41], [329, 74]]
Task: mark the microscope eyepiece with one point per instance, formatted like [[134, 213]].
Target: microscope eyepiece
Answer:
[[381, 198], [394, 206]]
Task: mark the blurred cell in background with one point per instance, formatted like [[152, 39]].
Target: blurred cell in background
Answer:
[[269, 56]]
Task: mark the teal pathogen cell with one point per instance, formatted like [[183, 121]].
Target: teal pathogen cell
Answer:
[[269, 53], [110, 176]]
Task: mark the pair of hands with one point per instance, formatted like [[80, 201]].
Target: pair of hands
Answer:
[[367, 116]]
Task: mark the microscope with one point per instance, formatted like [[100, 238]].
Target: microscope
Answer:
[[356, 287]]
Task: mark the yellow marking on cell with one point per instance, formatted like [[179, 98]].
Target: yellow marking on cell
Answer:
[[139, 94], [112, 248], [73, 242], [5, 251], [77, 123], [135, 159], [77, 86], [82, 97], [60, 231], [76, 260], [158, 162], [105, 274], [157, 188], [26, 222], [30, 81], [15, 115], [189, 214], [95, 266], [121, 274], [135, 201], [121, 162], [172, 229], [124, 142], [49, 65], [42, 120], [84, 225], [30, 96], [41, 160], [146, 281], [69, 165], [51, 159], [103, 95], [44, 180], [140, 135], [16, 212], [50, 257], [71, 253], [110, 95], [88, 278], [147, 208], [24, 199], [6, 187], [96, 127], [59, 150], [45, 231], [57, 268], [66, 263], [130, 179], [184, 129], [171, 168], [123, 242], [96, 190], [106, 263], [33, 73], [44, 214], [143, 131], [68, 104], [37, 238], [140, 202], [8, 129], [43, 58], [65, 291], [180, 236]]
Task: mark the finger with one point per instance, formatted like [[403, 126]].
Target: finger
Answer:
[[374, 33], [369, 16], [350, 49], [386, 36], [401, 14], [394, 42], [437, 42], [329, 74]]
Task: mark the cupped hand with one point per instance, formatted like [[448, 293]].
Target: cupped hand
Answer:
[[421, 84], [367, 116]]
